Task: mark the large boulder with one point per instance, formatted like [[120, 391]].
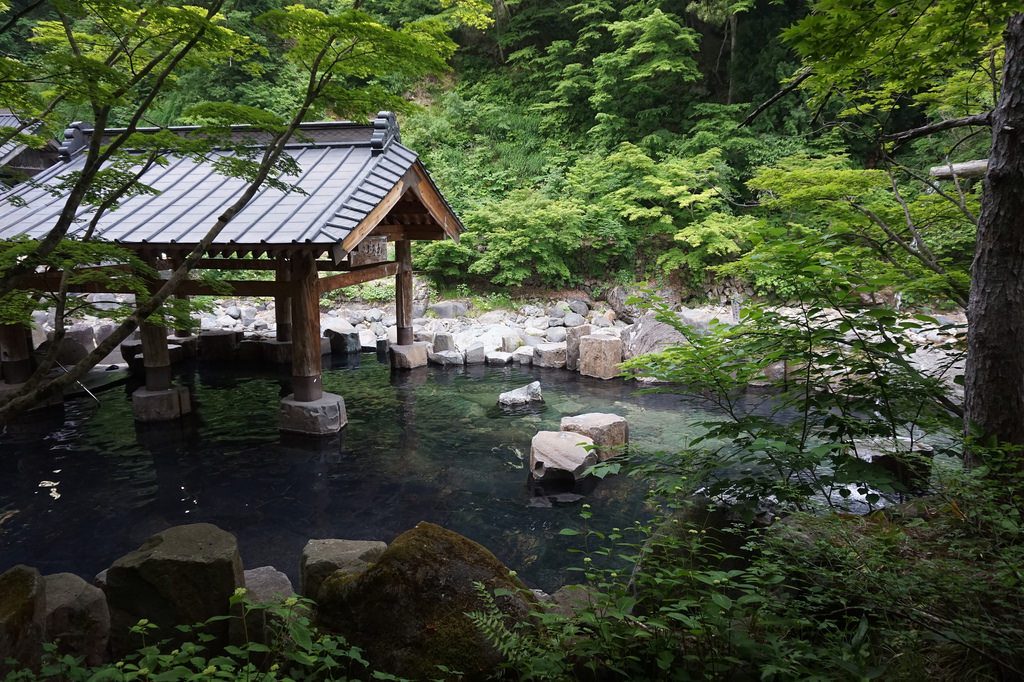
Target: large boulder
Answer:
[[617, 297], [530, 393], [344, 341], [610, 432], [555, 334], [183, 575], [267, 585], [77, 617], [559, 454], [447, 358], [408, 610], [600, 355], [409, 356], [476, 355], [449, 309], [572, 346], [443, 341], [322, 558], [496, 357], [549, 355], [649, 335], [22, 616], [523, 355]]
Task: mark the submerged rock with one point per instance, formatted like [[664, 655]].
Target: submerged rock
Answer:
[[530, 393], [408, 610]]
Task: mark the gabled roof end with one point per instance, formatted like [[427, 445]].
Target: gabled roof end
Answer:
[[75, 137], [385, 129]]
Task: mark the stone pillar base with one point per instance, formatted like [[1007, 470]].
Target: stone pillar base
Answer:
[[315, 418], [161, 406]]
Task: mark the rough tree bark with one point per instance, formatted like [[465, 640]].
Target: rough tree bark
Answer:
[[994, 380]]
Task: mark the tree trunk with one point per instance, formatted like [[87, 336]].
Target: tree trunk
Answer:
[[994, 381]]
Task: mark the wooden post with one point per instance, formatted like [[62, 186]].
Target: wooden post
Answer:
[[15, 353], [155, 357], [403, 291], [305, 329], [283, 304]]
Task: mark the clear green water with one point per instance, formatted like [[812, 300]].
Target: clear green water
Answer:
[[82, 486]]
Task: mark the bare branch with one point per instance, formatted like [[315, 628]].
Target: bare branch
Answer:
[[978, 120], [793, 85]]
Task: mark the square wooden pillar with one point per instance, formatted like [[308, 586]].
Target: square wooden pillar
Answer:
[[159, 400], [308, 409], [403, 292], [305, 329], [283, 303], [156, 357], [15, 353]]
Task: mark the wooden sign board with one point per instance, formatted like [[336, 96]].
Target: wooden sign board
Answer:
[[370, 250]]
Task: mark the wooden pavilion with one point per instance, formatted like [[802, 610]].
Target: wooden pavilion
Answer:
[[361, 189]]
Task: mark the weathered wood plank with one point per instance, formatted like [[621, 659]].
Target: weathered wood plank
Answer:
[[359, 275]]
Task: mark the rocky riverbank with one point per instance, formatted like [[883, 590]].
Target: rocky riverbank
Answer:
[[547, 333]]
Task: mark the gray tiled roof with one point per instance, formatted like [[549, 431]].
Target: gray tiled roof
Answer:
[[10, 148], [346, 169]]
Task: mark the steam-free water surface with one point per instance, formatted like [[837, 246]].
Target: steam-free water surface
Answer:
[[83, 486]]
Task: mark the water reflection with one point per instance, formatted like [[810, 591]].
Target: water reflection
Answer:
[[429, 444]]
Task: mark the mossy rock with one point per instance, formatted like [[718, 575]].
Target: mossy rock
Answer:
[[408, 610], [22, 616]]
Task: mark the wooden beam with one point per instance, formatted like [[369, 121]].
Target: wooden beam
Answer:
[[366, 273], [395, 232], [431, 199], [963, 169], [374, 217], [51, 281]]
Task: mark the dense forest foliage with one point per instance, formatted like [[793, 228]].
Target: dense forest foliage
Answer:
[[780, 145]]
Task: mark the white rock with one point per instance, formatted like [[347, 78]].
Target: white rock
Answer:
[[560, 454], [367, 340], [523, 355], [496, 357], [447, 358], [610, 432], [530, 393], [549, 355], [476, 355], [556, 334]]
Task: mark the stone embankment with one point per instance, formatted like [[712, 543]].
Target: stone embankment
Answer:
[[578, 335]]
